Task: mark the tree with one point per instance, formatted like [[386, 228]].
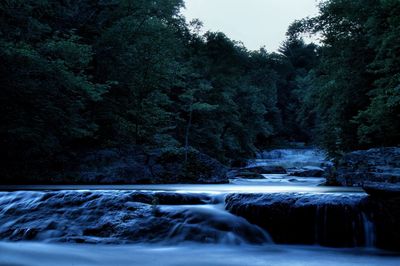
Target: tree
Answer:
[[295, 62], [348, 79], [139, 53], [45, 90], [379, 123]]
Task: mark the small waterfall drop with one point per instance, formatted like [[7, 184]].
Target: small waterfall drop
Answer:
[[369, 231], [117, 217]]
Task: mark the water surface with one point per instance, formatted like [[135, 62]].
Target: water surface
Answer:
[[39, 254], [126, 226]]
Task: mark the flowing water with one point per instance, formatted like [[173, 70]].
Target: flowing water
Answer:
[[292, 158], [39, 254], [184, 224]]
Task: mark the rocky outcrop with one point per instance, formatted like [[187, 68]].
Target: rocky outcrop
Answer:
[[169, 167], [375, 165], [132, 165], [336, 220], [382, 190], [255, 172], [266, 169], [304, 218], [385, 215], [243, 173], [119, 217], [308, 172]]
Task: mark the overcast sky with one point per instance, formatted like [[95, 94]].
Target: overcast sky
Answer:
[[256, 23]]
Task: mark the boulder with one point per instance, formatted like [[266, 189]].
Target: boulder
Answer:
[[112, 166], [266, 169], [255, 172], [133, 165], [243, 173], [308, 172], [334, 219], [375, 165], [382, 190], [169, 167]]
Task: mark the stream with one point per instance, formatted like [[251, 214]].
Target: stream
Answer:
[[277, 220]]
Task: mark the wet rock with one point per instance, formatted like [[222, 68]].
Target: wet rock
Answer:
[[382, 190], [119, 217], [165, 198], [266, 169], [129, 165], [169, 167], [335, 220], [238, 163], [255, 172], [385, 215], [308, 172], [374, 165], [132, 165], [243, 173], [304, 218]]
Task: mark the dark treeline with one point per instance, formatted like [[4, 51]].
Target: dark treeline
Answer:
[[82, 75], [354, 90]]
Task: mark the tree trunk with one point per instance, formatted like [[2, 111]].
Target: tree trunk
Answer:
[[188, 131]]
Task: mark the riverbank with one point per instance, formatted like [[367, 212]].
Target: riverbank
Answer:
[[126, 165]]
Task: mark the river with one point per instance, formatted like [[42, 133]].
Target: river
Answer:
[[178, 224]]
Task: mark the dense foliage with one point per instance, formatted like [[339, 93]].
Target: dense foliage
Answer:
[[355, 89], [83, 75]]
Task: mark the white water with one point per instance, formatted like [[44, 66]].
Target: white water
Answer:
[[268, 185], [369, 231], [191, 228], [292, 158]]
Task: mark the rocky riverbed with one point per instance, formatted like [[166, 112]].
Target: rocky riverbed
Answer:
[[249, 216], [334, 219]]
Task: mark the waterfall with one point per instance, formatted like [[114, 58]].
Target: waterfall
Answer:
[[334, 220], [369, 231]]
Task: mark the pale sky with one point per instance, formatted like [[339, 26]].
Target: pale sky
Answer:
[[256, 23]]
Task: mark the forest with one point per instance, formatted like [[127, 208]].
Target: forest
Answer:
[[81, 75]]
